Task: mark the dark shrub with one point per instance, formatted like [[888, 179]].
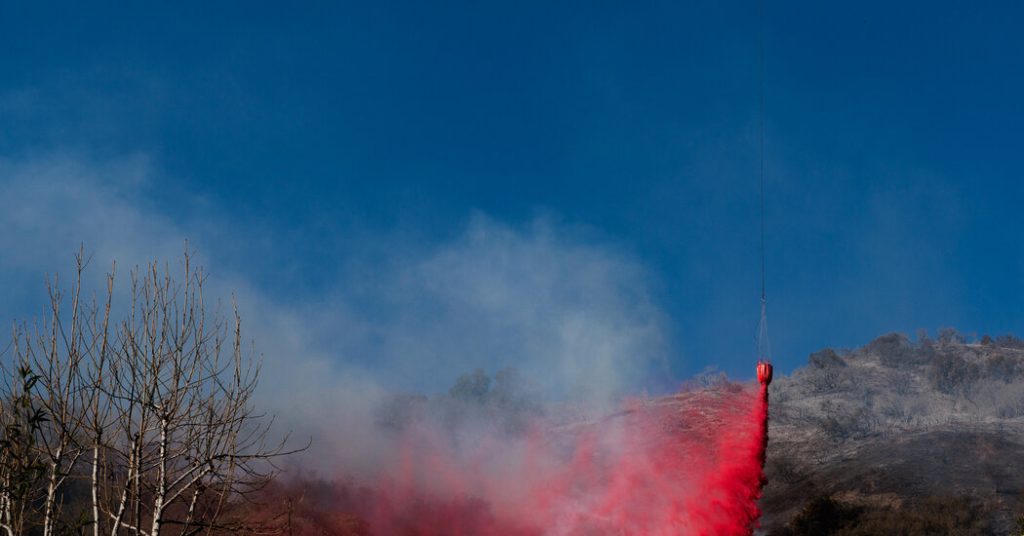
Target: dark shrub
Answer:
[[472, 387], [893, 350], [935, 515], [1002, 367], [827, 358], [952, 374], [951, 336], [822, 516], [1009, 341]]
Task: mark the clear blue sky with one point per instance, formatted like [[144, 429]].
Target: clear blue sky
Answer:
[[309, 130]]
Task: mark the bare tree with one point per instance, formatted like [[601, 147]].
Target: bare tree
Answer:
[[56, 352], [155, 410], [188, 434], [21, 469]]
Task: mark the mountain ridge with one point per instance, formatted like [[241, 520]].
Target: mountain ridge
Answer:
[[894, 424]]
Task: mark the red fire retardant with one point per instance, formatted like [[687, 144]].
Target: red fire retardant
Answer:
[[691, 463]]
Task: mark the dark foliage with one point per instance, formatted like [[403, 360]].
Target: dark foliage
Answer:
[[1003, 367], [827, 358], [952, 374], [1010, 341], [822, 515], [951, 336], [826, 516], [472, 387], [894, 350]]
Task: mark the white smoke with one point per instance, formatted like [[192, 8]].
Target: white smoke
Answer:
[[573, 312]]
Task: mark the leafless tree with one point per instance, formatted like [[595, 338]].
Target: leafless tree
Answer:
[[21, 468], [185, 432], [155, 410], [56, 353]]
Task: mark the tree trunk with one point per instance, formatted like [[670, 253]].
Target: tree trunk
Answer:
[[51, 492], [96, 488], [161, 491]]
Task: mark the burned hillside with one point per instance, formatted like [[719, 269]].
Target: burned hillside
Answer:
[[880, 435]]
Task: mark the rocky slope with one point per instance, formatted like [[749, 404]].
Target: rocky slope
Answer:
[[884, 433]]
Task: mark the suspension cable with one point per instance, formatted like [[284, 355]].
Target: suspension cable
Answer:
[[763, 345]]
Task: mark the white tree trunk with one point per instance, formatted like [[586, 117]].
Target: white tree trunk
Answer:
[[51, 492], [96, 489], [161, 490]]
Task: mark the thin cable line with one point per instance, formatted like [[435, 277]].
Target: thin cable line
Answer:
[[763, 344], [760, 133]]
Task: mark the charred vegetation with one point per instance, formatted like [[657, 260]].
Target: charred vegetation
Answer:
[[923, 437]]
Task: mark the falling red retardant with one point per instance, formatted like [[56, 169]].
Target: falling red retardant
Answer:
[[690, 463]]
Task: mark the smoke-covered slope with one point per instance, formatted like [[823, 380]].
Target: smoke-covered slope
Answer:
[[470, 463], [927, 434]]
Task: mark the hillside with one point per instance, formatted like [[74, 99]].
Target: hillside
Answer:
[[896, 437], [927, 436]]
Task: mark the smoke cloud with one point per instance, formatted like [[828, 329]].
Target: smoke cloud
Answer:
[[563, 322]]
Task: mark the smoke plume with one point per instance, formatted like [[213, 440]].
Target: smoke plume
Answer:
[[689, 463], [550, 449]]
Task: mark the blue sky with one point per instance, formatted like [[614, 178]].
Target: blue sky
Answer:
[[322, 155]]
